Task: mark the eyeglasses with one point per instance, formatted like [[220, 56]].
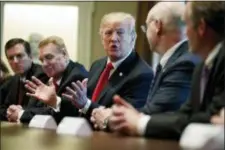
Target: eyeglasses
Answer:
[[144, 28]]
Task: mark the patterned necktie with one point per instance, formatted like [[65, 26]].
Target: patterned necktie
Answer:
[[204, 80], [102, 81]]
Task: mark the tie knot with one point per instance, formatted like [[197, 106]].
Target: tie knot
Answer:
[[158, 68], [109, 66], [206, 70]]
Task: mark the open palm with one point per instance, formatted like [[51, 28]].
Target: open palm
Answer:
[[41, 91]]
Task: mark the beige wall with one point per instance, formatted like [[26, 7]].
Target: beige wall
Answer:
[[101, 8], [94, 50]]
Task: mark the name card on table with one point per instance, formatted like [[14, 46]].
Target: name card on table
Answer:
[[74, 126], [196, 136], [44, 122]]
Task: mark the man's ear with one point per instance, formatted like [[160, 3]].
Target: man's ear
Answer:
[[133, 35], [158, 24], [201, 27]]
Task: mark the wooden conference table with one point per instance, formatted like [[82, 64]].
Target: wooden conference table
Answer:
[[19, 137]]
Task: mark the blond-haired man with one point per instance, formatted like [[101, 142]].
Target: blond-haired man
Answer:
[[62, 72]]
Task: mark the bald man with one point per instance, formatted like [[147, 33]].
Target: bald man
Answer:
[[172, 82]]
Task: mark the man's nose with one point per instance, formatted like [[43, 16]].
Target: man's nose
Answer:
[[44, 63], [15, 59], [115, 36]]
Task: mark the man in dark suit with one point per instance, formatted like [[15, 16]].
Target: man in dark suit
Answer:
[[205, 30], [172, 82], [12, 92], [122, 71], [61, 71]]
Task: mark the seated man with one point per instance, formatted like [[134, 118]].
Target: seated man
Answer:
[[122, 72], [59, 68], [12, 92], [172, 82], [205, 31]]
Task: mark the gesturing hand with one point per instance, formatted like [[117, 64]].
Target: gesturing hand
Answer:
[[41, 91], [77, 93]]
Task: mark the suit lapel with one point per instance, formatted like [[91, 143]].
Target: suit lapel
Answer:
[[196, 87], [15, 90], [65, 78], [116, 79], [26, 100], [179, 51], [93, 81], [183, 48], [212, 77]]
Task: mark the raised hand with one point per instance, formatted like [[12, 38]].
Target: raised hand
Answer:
[[77, 93], [40, 91]]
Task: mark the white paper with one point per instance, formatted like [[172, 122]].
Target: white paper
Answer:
[[196, 136], [43, 121], [75, 126]]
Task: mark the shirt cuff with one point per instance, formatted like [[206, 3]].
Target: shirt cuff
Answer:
[[58, 104], [86, 107], [142, 124], [20, 113]]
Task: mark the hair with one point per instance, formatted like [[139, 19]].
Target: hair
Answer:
[[170, 13], [12, 42], [120, 17], [212, 12], [56, 41]]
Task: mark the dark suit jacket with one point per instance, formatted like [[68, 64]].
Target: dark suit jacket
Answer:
[[74, 71], [171, 125], [9, 91], [133, 85], [173, 85]]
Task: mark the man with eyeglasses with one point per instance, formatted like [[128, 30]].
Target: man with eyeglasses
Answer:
[[12, 92], [122, 72]]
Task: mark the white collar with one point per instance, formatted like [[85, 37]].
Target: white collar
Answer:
[[169, 53], [212, 55], [118, 62]]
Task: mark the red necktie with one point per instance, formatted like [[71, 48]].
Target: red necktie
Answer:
[[102, 81], [55, 84], [21, 92]]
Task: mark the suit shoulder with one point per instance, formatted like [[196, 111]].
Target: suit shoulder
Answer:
[[142, 64], [38, 72], [188, 58], [78, 65], [78, 69], [8, 82], [98, 61]]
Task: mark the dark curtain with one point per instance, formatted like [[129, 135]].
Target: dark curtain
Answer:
[[142, 46]]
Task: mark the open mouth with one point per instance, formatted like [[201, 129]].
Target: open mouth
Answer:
[[114, 46]]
